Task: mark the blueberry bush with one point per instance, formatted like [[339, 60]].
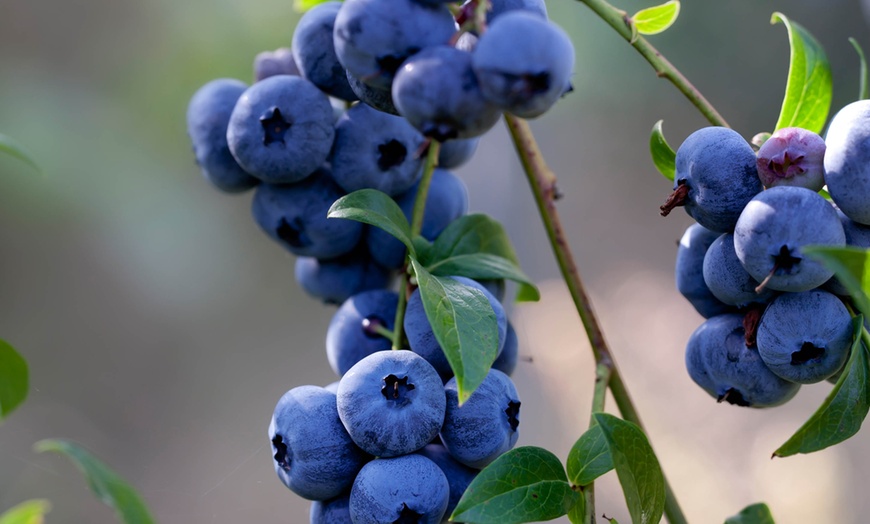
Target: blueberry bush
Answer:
[[346, 141]]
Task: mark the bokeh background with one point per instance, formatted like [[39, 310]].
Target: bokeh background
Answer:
[[162, 326]]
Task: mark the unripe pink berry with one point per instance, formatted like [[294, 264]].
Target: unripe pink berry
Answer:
[[792, 157]]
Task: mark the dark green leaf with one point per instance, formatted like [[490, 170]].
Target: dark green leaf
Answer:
[[637, 468], [477, 233], [851, 266], [663, 155], [809, 89], [375, 208], [464, 325], [864, 82], [577, 513], [654, 20], [754, 514], [589, 458], [480, 266], [13, 379], [105, 483], [526, 484], [841, 414], [16, 150], [29, 512]]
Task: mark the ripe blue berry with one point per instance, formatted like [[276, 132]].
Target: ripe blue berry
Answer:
[[773, 229], [847, 169], [526, 79], [459, 476], [689, 274], [805, 337], [391, 403], [726, 278], [314, 52], [486, 425], [715, 178], [352, 333], [208, 115], [274, 63], [333, 511], [312, 453], [410, 489], [507, 359], [281, 129], [336, 279], [719, 361]]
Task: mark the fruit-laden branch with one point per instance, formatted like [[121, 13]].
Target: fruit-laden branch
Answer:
[[543, 183], [618, 20]]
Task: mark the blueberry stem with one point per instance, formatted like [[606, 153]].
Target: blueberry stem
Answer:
[[543, 184], [620, 21], [416, 227], [603, 372]]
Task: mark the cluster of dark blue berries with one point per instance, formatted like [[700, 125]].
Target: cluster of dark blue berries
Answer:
[[356, 104], [775, 318]]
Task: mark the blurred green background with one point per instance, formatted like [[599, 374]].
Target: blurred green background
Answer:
[[162, 326]]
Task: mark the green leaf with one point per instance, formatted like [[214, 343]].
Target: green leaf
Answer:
[[29, 512], [851, 266], [864, 84], [464, 324], [480, 266], [809, 88], [663, 155], [577, 513], [759, 139], [526, 484], [654, 20], [589, 457], [12, 148], [477, 233], [375, 208], [14, 378], [105, 483], [754, 514], [841, 414], [304, 5], [637, 468]]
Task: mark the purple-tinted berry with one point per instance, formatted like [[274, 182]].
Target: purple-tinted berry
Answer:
[[792, 156]]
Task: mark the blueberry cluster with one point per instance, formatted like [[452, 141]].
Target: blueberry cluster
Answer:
[[775, 318], [367, 88]]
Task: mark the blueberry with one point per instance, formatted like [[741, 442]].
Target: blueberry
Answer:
[[374, 150], [459, 476], [726, 278], [295, 217], [715, 178], [422, 340], [773, 229], [792, 157], [495, 286], [455, 153], [208, 115], [352, 334], [805, 337], [438, 92], [281, 129], [847, 160], [446, 201], [689, 274], [507, 360], [391, 403], [373, 37], [274, 63], [526, 79], [314, 52], [380, 99], [335, 280], [334, 511], [407, 489], [719, 361], [486, 425], [312, 453]]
